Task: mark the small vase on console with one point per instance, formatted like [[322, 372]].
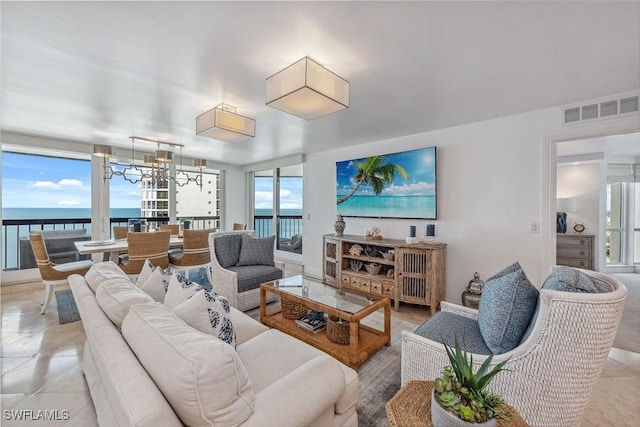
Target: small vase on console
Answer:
[[339, 225]]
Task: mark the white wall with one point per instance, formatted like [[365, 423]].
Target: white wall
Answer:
[[489, 191]]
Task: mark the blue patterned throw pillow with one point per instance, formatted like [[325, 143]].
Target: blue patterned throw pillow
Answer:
[[507, 304], [256, 251], [208, 313]]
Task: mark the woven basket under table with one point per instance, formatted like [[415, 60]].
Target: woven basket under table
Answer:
[[338, 330], [292, 309]]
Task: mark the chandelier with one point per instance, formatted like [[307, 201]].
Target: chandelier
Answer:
[[156, 169]]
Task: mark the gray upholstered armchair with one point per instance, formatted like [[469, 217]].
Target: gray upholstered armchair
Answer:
[[553, 370], [239, 264]]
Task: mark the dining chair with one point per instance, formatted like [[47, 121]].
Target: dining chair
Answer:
[[146, 245], [54, 274], [120, 232], [173, 228], [237, 226], [195, 251]]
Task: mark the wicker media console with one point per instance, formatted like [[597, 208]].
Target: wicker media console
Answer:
[[415, 273]]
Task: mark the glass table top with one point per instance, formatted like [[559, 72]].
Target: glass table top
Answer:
[[315, 291]]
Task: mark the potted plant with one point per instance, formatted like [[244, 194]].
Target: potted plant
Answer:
[[460, 397]]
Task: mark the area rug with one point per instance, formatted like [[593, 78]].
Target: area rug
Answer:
[[67, 308], [628, 337], [380, 375]]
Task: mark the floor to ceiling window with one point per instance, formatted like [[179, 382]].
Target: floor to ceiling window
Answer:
[[41, 193], [277, 202]]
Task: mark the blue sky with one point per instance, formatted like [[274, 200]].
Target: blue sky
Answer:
[[420, 164], [31, 181], [290, 193]]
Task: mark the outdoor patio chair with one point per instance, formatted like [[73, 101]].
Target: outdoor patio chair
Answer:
[[53, 274], [238, 227], [173, 228]]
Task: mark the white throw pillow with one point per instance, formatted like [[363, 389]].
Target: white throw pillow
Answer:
[[156, 285], [202, 378], [180, 289], [101, 271], [115, 296], [208, 313], [147, 269]]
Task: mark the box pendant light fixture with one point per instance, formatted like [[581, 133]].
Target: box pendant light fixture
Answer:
[[222, 122], [307, 89]]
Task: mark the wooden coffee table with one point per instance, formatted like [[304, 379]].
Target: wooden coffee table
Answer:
[[350, 306]]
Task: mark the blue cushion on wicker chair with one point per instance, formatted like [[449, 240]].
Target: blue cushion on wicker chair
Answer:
[[447, 328], [228, 249], [506, 307]]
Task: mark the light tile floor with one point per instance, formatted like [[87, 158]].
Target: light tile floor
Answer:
[[41, 369]]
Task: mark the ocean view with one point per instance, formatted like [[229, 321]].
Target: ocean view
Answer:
[[59, 213]]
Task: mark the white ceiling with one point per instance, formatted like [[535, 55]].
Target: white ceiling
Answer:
[[97, 72]]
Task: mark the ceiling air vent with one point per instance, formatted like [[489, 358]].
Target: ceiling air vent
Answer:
[[600, 110]]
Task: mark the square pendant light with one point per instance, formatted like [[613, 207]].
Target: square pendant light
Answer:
[[308, 90], [224, 124]]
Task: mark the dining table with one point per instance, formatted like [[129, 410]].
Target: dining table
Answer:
[[113, 247]]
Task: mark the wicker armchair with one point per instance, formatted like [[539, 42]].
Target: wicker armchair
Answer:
[[553, 372], [142, 246], [195, 252], [53, 274], [225, 281], [120, 232]]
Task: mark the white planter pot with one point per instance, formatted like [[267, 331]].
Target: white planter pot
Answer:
[[440, 417]]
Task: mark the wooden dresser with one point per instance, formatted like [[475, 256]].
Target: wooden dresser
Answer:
[[575, 250]]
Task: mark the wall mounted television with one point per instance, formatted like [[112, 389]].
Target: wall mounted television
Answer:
[[394, 185]]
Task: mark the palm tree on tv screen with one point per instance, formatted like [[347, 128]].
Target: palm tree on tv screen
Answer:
[[375, 173]]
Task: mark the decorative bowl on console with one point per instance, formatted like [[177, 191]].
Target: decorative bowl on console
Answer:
[[388, 255], [372, 268]]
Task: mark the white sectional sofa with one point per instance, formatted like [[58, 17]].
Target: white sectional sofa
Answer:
[[147, 367]]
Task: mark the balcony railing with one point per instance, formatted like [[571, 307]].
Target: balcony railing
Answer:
[[289, 226], [16, 249]]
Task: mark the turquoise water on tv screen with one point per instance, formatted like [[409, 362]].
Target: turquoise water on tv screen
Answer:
[[389, 206]]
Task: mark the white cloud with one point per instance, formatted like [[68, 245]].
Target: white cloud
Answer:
[[285, 194], [50, 185], [263, 196], [292, 205], [68, 203], [45, 185], [414, 188], [70, 183]]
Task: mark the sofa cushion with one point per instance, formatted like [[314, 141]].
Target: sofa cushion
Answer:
[[446, 327], [202, 378], [208, 313], [156, 285], [228, 249], [569, 279], [101, 271], [180, 289], [273, 354], [506, 306], [251, 276], [116, 296], [245, 326], [256, 251]]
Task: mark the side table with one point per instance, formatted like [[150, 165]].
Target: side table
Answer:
[[411, 407]]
